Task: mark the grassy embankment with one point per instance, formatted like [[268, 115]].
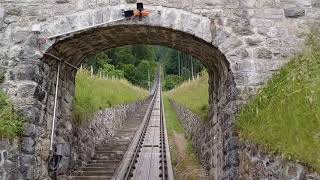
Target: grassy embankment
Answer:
[[193, 95], [184, 161], [93, 94], [11, 122], [285, 115]]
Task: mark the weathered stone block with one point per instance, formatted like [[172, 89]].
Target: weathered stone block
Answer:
[[294, 12], [39, 93], [233, 159], [316, 3], [243, 30], [30, 130], [26, 166], [230, 44], [26, 90], [14, 10], [263, 30], [273, 42], [27, 145], [24, 72], [2, 15], [241, 53], [131, 1], [266, 4], [62, 1], [254, 41], [273, 13], [264, 53]]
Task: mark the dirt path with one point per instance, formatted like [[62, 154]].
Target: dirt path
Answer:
[[186, 165]]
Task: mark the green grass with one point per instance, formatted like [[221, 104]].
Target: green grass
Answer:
[[193, 95], [173, 123], [285, 116], [11, 123], [174, 128], [93, 94]]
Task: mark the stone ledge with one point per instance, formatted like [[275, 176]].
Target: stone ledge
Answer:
[[258, 164]]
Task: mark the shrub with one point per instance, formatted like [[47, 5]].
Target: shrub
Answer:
[[11, 123]]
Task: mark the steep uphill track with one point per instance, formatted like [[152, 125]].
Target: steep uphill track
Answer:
[[148, 157], [108, 156]]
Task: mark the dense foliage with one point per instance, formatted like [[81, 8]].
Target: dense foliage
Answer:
[[178, 67], [171, 81], [11, 123], [285, 117], [93, 94], [136, 63]]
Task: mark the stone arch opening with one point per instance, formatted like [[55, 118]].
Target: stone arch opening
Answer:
[[74, 50]]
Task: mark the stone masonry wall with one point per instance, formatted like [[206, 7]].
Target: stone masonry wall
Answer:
[[254, 163], [257, 164], [257, 37], [196, 130], [241, 43], [203, 140], [98, 130], [9, 151], [85, 137]]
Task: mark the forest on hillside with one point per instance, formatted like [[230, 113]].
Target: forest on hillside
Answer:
[[138, 64]]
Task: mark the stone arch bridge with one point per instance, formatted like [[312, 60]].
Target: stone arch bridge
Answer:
[[241, 43]]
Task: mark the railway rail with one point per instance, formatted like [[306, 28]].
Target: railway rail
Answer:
[[139, 151], [148, 157]]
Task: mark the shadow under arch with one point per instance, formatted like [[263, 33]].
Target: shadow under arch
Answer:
[[215, 151]]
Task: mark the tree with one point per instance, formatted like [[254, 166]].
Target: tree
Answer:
[[123, 55], [97, 61], [171, 62], [171, 81], [142, 73], [130, 73], [143, 52], [111, 71], [186, 73], [134, 62]]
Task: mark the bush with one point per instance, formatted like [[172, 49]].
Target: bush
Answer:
[[11, 123], [171, 81]]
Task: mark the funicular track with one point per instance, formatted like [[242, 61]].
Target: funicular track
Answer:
[[148, 157], [140, 150], [107, 156]]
